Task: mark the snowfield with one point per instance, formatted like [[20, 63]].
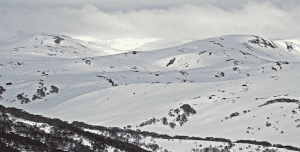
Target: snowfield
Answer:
[[225, 80]]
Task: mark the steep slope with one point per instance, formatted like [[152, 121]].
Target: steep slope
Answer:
[[224, 79]]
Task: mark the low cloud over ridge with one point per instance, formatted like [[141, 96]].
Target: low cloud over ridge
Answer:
[[169, 22]]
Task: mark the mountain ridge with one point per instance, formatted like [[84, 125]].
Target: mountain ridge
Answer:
[[224, 79]]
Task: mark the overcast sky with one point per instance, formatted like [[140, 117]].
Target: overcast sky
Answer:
[[141, 21]]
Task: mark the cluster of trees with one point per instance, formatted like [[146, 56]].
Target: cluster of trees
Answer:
[[38, 95], [18, 136], [234, 114], [280, 100], [245, 53], [113, 132], [262, 42], [62, 133], [57, 39], [1, 91], [211, 149], [289, 46], [220, 74], [7, 148], [53, 89], [181, 118], [135, 52], [149, 122], [254, 142], [22, 98], [109, 80], [267, 144], [15, 135], [188, 109]]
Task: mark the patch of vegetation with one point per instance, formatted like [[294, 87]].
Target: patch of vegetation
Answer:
[[262, 42], [236, 69], [219, 44], [108, 79], [220, 74], [44, 73], [281, 100], [247, 46], [57, 39], [151, 146], [288, 147], [22, 98], [134, 52], [172, 125], [229, 60], [2, 90], [254, 142], [171, 62], [274, 69], [111, 81], [171, 113], [183, 73], [234, 114], [181, 117], [211, 149], [289, 46], [164, 120], [188, 109], [149, 122], [61, 136], [201, 52], [34, 97], [245, 53], [40, 92], [54, 89]]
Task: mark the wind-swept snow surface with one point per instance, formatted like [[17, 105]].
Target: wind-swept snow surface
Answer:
[[216, 87]]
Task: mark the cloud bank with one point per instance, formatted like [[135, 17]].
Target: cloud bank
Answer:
[[168, 21]]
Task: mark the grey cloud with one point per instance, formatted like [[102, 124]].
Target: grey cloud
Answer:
[[168, 20]]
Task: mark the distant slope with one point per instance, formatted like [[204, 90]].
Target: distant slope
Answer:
[[51, 45]]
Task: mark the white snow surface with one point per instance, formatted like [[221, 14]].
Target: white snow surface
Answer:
[[147, 86]]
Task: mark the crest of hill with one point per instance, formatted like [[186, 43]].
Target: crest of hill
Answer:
[[52, 45], [229, 50]]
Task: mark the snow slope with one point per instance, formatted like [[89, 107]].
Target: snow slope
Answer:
[[51, 45], [217, 77]]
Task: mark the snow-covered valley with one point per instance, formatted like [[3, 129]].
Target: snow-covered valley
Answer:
[[236, 87]]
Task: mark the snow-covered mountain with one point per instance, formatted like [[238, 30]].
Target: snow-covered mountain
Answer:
[[52, 45], [239, 87]]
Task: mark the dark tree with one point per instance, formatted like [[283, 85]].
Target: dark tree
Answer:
[[177, 111], [2, 90], [171, 62], [54, 89], [172, 125], [40, 92], [188, 109], [34, 97], [57, 39], [234, 114], [165, 121]]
